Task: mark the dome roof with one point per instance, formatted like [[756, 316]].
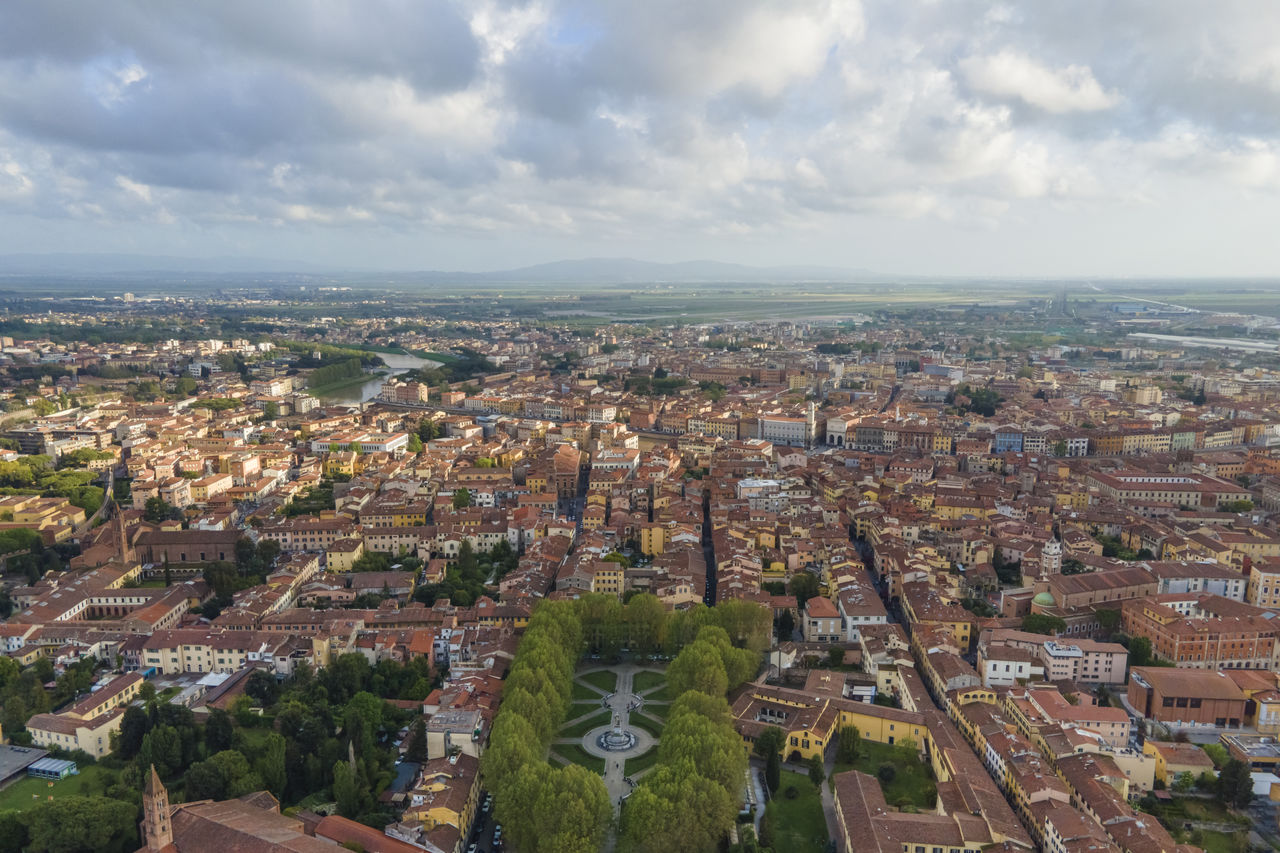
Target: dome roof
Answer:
[[1044, 599]]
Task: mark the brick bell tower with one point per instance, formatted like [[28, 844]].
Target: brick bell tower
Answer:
[[157, 831], [124, 550]]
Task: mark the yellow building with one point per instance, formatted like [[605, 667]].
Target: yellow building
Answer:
[[925, 607], [810, 721], [342, 555], [29, 654], [593, 518], [55, 519], [1264, 585], [410, 515], [1144, 442], [341, 463], [1173, 759], [653, 538], [88, 724], [445, 800], [609, 578]]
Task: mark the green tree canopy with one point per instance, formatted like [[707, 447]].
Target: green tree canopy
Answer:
[[1140, 653], [1235, 784], [676, 808], [83, 825], [346, 790], [850, 741], [698, 667], [1043, 623], [716, 750], [803, 586]]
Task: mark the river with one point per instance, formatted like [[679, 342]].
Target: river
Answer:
[[397, 364], [1243, 344]]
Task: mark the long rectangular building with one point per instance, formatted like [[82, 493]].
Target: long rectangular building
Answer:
[[1183, 490], [1203, 631]]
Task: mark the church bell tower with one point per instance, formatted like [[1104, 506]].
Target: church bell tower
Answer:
[[157, 831]]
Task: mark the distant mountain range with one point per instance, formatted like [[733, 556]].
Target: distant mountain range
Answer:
[[631, 270], [585, 270]]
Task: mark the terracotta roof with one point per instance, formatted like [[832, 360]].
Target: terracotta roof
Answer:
[[345, 831], [819, 607], [236, 826], [1206, 684]]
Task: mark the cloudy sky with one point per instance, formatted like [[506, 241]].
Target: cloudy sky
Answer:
[[1096, 137]]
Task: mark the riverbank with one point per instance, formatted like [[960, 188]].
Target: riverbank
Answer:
[[440, 358], [379, 348], [332, 389]]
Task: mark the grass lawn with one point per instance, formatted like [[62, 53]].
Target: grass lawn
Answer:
[[1219, 842], [577, 709], [575, 753], [312, 801], [605, 679], [1182, 809], [912, 783], [648, 724], [798, 824], [658, 710], [1208, 810], [252, 741], [632, 766], [581, 727], [647, 680], [92, 781], [583, 693]]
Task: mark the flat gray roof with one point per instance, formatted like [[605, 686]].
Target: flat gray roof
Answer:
[[15, 759]]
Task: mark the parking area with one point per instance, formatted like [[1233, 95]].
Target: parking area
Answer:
[[485, 835]]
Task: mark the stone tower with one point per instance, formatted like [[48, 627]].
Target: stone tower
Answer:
[[124, 550], [1051, 558], [157, 832]]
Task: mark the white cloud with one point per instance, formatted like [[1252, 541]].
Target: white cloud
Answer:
[[14, 181], [112, 83], [141, 191], [521, 129], [1009, 74]]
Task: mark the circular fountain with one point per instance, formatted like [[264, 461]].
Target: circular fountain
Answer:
[[616, 739]]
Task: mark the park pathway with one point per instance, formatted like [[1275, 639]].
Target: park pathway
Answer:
[[620, 703]]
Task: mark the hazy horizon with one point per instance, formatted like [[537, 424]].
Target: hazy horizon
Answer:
[[109, 266]]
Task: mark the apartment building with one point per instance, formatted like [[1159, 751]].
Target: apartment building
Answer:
[[87, 725], [822, 622], [1202, 632]]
